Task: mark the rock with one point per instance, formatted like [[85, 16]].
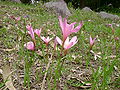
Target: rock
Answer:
[[32, 1], [87, 9], [18, 1], [106, 15], [59, 7]]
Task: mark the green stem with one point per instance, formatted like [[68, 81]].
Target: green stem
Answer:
[[61, 66]]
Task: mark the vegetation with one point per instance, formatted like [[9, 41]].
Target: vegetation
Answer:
[[92, 64], [94, 4]]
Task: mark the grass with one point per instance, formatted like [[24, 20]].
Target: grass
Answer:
[[110, 9], [79, 70]]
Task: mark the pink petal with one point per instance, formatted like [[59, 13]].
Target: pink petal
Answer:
[[12, 17], [32, 34], [78, 27], [94, 39], [71, 27], [65, 22], [17, 18], [68, 46], [55, 43], [29, 45], [74, 40], [72, 24], [29, 27], [68, 29], [116, 38], [48, 39], [59, 40], [44, 39], [61, 23], [110, 25], [91, 41], [37, 32], [30, 31], [66, 41]]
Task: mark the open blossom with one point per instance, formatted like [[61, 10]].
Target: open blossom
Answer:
[[17, 18], [67, 29], [116, 38], [12, 17], [30, 31], [29, 45], [67, 44], [92, 41], [26, 16], [46, 40], [29, 27], [111, 26], [55, 43], [37, 32]]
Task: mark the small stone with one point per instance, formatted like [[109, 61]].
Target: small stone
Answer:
[[87, 9], [106, 15], [18, 1], [1, 71], [59, 7]]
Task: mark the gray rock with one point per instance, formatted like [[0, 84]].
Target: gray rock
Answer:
[[32, 1], [87, 9], [59, 7], [18, 1], [108, 16]]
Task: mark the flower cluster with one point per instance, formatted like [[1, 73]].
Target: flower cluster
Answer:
[[15, 18], [92, 41], [31, 45], [67, 30]]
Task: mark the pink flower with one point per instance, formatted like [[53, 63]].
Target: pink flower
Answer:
[[59, 40], [55, 43], [29, 45], [29, 27], [17, 18], [92, 41], [12, 17], [111, 26], [37, 32], [67, 44], [68, 29], [116, 38], [46, 40], [30, 31]]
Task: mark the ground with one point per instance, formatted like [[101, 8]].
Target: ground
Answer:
[[80, 70]]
